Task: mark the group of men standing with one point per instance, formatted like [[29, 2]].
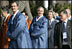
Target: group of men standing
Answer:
[[42, 33]]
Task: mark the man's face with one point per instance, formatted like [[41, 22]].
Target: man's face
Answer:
[[50, 15], [14, 7], [40, 11], [63, 17]]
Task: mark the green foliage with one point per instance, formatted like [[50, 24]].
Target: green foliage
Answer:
[[34, 7], [58, 8]]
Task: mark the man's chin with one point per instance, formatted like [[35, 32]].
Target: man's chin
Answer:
[[40, 15], [62, 20], [14, 10]]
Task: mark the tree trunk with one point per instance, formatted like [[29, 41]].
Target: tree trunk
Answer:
[[46, 4], [24, 5], [28, 10], [34, 2], [4, 3]]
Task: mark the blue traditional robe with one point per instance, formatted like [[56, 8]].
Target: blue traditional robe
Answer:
[[18, 32], [39, 33]]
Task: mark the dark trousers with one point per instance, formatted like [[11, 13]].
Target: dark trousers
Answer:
[[66, 47]]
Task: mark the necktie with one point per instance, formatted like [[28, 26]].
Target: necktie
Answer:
[[64, 32], [64, 28]]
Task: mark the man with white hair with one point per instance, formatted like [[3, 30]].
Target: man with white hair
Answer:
[[39, 30], [68, 14]]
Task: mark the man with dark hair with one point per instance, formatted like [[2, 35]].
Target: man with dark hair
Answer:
[[63, 32], [51, 25], [4, 39], [17, 29]]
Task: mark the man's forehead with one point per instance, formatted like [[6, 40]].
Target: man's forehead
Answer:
[[67, 10], [50, 13], [40, 8], [14, 3]]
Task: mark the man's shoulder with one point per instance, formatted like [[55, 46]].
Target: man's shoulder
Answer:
[[58, 23], [20, 15], [44, 18]]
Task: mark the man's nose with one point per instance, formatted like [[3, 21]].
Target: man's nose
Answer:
[[12, 7]]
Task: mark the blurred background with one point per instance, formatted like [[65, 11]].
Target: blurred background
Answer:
[[30, 7]]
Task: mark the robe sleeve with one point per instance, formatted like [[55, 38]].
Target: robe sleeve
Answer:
[[41, 30], [31, 26]]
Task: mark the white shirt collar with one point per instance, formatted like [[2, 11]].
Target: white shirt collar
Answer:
[[66, 20], [15, 14], [6, 17], [39, 18], [69, 18], [50, 21], [65, 23]]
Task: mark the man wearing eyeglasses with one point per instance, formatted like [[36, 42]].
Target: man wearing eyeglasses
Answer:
[[63, 32]]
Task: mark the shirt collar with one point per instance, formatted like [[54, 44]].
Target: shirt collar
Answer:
[[6, 17], [66, 20], [69, 18], [15, 14], [39, 17], [52, 19]]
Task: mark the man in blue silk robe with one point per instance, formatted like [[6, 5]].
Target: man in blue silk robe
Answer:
[[17, 30], [39, 30]]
